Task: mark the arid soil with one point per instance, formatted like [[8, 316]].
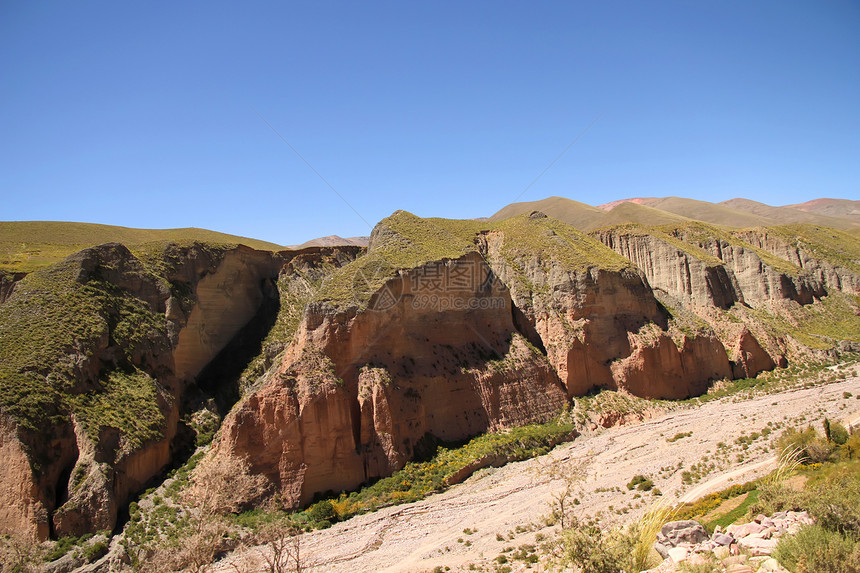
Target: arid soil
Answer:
[[506, 507]]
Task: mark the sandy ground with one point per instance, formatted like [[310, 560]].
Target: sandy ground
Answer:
[[511, 502]]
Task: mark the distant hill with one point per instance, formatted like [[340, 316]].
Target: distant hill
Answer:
[[333, 241], [636, 200], [739, 213], [787, 215], [713, 213], [631, 212], [28, 245], [831, 207], [568, 211]]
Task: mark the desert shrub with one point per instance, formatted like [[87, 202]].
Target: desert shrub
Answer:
[[95, 551], [592, 549], [835, 502], [816, 549], [18, 554], [637, 479], [852, 447], [812, 448], [831, 500], [224, 485], [838, 433], [193, 551]]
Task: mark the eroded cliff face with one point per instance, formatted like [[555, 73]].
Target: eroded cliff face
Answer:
[[709, 270], [441, 331], [699, 279], [496, 337], [357, 391], [837, 272], [146, 335]]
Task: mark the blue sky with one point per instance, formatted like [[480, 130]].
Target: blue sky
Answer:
[[148, 114]]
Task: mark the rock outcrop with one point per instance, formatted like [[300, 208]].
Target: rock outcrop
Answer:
[[7, 284], [822, 252], [681, 270], [708, 267], [357, 392], [447, 332], [107, 381]]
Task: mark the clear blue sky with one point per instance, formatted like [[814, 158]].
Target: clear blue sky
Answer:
[[145, 114]]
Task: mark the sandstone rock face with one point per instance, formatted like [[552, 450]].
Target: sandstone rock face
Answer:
[[721, 274], [357, 391], [758, 281], [676, 271], [23, 504], [227, 299], [590, 323], [451, 348], [748, 357], [658, 368], [832, 275]]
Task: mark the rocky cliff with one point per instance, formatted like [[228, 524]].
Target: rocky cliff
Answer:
[[346, 363], [447, 329], [97, 354]]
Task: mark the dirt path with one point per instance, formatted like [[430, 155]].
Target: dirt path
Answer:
[[503, 504]]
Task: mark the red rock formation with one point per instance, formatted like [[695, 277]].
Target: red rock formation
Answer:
[[658, 368], [748, 357], [357, 391]]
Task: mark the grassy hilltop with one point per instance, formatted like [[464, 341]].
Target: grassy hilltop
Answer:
[[26, 246]]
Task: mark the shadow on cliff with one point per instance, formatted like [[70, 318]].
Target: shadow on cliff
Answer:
[[219, 380]]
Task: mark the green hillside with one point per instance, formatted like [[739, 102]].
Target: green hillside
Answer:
[[29, 245]]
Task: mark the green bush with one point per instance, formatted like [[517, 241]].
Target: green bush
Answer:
[[838, 434], [812, 448], [816, 549], [321, 511], [95, 551]]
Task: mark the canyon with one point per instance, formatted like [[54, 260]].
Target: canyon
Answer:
[[333, 366]]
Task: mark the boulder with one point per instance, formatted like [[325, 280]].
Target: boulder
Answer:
[[687, 531]]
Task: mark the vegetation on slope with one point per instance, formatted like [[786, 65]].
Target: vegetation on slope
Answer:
[[555, 242], [839, 248], [401, 241], [26, 246], [574, 213], [73, 341], [628, 212], [712, 213], [404, 241], [818, 325], [662, 233], [702, 234]]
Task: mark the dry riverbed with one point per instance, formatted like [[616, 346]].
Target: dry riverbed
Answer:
[[717, 444]]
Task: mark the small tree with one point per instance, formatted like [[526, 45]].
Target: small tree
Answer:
[[571, 476], [282, 550]]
